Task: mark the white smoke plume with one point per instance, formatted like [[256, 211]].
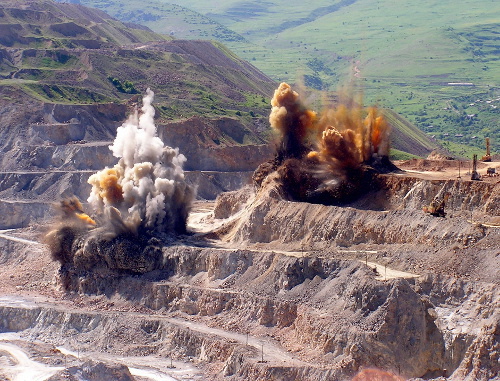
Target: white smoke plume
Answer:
[[146, 189]]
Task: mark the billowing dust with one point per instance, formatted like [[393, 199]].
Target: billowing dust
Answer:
[[327, 157], [146, 189], [142, 201]]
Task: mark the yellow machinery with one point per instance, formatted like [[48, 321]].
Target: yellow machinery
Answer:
[[436, 207], [487, 157]]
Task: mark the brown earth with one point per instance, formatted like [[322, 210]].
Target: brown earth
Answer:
[[291, 279], [263, 288]]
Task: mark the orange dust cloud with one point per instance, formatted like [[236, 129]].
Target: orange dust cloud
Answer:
[[342, 137], [346, 140], [72, 209], [111, 191], [85, 218], [71, 205], [291, 119]]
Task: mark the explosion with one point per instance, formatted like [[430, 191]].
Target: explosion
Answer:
[[139, 203], [326, 158], [292, 120], [146, 189]]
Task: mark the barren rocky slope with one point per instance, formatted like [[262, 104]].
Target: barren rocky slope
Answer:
[[68, 75], [303, 295]]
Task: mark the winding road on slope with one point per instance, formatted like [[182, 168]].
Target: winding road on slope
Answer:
[[16, 239], [19, 367], [152, 367]]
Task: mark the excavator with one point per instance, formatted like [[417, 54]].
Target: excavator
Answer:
[[436, 207]]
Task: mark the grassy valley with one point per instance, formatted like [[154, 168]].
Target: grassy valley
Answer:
[[70, 54], [435, 63]]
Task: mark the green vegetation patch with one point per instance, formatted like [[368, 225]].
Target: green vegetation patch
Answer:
[[53, 59], [126, 87], [65, 94], [410, 57], [400, 155], [464, 150]]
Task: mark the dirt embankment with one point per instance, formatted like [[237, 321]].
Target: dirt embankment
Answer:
[[216, 145], [317, 317], [392, 215], [301, 292]]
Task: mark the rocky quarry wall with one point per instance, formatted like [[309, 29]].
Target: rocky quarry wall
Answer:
[[331, 318], [48, 151], [391, 215]]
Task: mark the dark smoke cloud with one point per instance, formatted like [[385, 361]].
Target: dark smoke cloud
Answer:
[[330, 157]]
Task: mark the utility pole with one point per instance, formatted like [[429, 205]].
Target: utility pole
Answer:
[[171, 363]]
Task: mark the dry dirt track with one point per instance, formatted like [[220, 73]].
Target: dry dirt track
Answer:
[[386, 273], [201, 216], [151, 367], [19, 367], [435, 170], [271, 351], [15, 363], [16, 239]]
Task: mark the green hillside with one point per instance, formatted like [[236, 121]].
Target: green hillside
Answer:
[[436, 63], [93, 58], [71, 54]]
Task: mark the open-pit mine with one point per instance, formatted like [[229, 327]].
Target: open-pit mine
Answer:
[[325, 266]]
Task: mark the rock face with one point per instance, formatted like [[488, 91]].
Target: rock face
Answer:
[[482, 357], [216, 145], [454, 308], [52, 153], [375, 218], [72, 75], [94, 371], [329, 318]]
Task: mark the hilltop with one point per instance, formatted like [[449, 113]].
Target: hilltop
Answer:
[[67, 54], [70, 75], [81, 50]]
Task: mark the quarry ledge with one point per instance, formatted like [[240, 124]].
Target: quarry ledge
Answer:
[[326, 309]]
